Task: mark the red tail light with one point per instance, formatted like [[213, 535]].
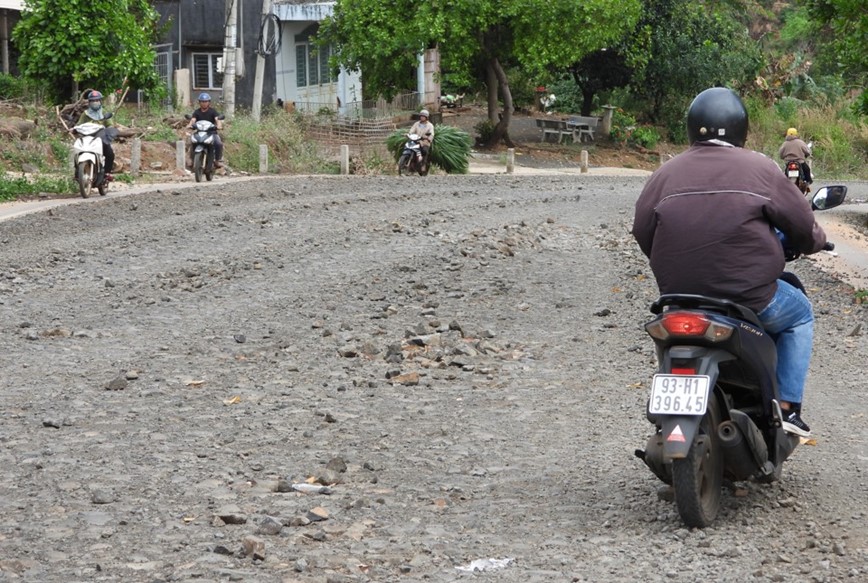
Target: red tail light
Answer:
[[684, 324]]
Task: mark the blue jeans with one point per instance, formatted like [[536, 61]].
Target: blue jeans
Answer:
[[789, 320]]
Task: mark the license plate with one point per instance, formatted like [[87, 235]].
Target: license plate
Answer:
[[793, 173], [679, 394]]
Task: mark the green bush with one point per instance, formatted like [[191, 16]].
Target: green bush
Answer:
[[288, 149], [645, 136], [21, 89], [622, 126], [568, 98], [485, 129]]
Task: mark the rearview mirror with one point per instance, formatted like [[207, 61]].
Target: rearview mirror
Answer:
[[828, 197], [108, 115]]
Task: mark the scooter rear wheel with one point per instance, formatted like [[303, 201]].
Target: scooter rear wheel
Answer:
[[85, 178], [698, 478]]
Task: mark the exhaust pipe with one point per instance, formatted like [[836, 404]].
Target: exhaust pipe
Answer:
[[738, 458]]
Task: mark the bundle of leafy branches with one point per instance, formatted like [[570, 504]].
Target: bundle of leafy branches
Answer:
[[450, 150]]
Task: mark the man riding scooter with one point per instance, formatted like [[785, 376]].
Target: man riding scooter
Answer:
[[206, 112]]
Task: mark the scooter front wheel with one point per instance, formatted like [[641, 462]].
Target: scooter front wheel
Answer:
[[402, 164], [198, 163], [698, 478], [85, 178]]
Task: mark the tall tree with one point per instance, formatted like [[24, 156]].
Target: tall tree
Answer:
[[847, 23], [601, 70], [96, 43], [682, 47], [382, 39]]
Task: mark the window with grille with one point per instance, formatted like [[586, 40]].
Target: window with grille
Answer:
[[205, 75], [311, 62]]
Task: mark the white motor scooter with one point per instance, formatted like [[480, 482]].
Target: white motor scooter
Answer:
[[202, 143], [88, 158]]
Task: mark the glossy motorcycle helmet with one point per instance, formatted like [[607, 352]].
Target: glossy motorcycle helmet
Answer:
[[204, 97], [792, 132], [717, 114], [94, 100]]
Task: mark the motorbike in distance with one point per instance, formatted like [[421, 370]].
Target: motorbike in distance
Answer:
[[794, 172], [202, 146], [714, 401], [412, 159], [88, 159]]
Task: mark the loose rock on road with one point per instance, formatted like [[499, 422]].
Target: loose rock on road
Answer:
[[335, 379]]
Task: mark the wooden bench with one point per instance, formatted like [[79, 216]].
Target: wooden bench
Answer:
[[554, 127], [583, 126]]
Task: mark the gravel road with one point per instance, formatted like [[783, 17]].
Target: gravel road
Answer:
[[352, 379]]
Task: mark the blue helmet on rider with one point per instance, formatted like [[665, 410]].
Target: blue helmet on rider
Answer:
[[204, 97], [717, 114]]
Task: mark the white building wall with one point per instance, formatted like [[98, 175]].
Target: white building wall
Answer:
[[294, 19]]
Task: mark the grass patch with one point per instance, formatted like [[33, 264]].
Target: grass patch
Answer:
[[14, 188], [288, 150]]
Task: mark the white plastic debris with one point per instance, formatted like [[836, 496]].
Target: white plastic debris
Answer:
[[312, 489], [486, 565]]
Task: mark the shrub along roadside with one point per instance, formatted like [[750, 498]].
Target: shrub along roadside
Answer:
[[15, 188]]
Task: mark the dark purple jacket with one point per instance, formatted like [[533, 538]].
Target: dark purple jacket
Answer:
[[706, 218]]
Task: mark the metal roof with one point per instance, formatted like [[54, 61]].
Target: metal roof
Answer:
[[12, 4]]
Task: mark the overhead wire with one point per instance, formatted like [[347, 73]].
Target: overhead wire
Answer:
[[269, 44]]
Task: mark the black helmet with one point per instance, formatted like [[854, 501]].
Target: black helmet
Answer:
[[717, 114]]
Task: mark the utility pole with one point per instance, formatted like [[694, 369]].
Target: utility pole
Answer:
[[229, 58], [260, 63]]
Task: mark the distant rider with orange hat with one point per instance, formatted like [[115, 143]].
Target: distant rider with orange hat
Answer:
[[795, 150]]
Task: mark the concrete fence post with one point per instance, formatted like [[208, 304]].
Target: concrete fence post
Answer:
[[608, 114], [136, 157], [345, 159], [263, 158], [180, 155], [584, 161], [510, 160]]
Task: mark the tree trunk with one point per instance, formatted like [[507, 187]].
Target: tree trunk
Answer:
[[501, 130], [587, 101], [491, 82]]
